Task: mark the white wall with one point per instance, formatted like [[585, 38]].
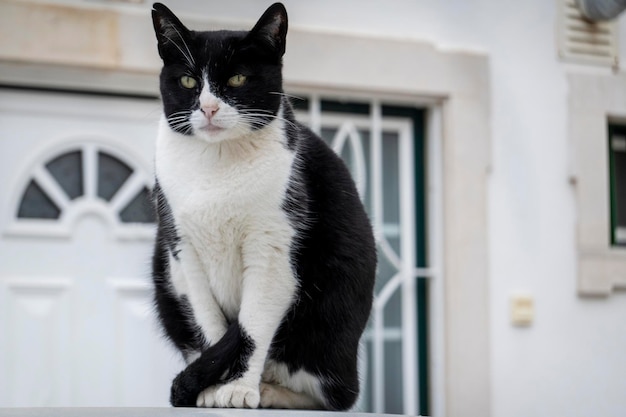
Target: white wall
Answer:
[[570, 360]]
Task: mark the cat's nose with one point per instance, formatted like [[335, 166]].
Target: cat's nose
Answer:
[[209, 110]]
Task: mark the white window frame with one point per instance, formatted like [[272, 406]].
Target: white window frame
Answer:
[[89, 202], [595, 100]]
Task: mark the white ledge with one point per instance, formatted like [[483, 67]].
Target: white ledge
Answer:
[[169, 412]]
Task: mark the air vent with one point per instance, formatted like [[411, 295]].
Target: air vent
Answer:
[[583, 41]]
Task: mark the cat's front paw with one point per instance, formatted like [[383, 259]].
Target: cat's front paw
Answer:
[[207, 397], [236, 394], [184, 391]]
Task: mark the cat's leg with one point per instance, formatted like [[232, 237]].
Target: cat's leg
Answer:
[[340, 394], [189, 281], [189, 276], [268, 290], [173, 310]]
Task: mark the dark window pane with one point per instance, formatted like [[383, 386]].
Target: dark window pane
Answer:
[[620, 187], [345, 107], [112, 173], [67, 169], [36, 204], [139, 210], [328, 134], [617, 177], [391, 177]]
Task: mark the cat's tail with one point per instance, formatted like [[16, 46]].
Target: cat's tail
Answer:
[[226, 360]]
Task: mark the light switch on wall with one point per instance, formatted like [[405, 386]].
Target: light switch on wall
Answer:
[[522, 310]]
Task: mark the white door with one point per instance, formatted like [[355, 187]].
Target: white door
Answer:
[[77, 326]]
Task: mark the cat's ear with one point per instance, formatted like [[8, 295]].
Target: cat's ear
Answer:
[[271, 29], [172, 36]]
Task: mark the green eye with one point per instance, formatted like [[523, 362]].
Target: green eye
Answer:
[[237, 80], [188, 82]]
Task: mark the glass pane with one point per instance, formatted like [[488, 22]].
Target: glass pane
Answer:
[[112, 173], [393, 378], [328, 134], [67, 169], [391, 178], [618, 187], [385, 271], [619, 158], [36, 204], [393, 310], [139, 210], [367, 375], [347, 154], [345, 107]]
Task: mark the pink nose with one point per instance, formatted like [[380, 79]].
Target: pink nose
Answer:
[[210, 110]]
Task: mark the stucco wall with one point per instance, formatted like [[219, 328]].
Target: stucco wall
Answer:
[[570, 360]]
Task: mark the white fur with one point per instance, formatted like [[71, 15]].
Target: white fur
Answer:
[[226, 191], [226, 124], [279, 389], [307, 387]]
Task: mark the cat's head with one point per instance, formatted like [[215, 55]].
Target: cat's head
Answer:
[[221, 85]]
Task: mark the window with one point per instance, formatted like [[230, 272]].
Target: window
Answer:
[[86, 177], [617, 175], [383, 146], [597, 111]]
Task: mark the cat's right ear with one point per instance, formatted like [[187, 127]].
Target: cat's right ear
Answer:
[[271, 29], [172, 36]]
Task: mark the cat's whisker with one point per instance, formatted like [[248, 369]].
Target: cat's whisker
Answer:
[[182, 125], [179, 115], [189, 59], [181, 112], [271, 116], [282, 94], [190, 55]]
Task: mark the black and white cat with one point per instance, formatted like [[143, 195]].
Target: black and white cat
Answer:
[[264, 261]]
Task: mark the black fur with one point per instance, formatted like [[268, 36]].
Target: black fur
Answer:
[[333, 255]]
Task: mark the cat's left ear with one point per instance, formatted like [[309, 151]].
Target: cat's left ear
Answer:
[[172, 36], [271, 29]]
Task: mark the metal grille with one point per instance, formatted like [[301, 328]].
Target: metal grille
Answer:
[[379, 145]]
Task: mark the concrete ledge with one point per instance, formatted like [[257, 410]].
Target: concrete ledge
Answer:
[[169, 412]]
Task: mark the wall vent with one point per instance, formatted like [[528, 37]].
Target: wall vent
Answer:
[[583, 41]]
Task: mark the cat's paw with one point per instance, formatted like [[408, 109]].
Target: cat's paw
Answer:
[[269, 395], [236, 394], [207, 397]]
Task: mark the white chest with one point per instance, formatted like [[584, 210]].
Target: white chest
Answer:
[[221, 195]]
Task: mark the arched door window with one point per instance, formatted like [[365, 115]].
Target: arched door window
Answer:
[[85, 178]]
